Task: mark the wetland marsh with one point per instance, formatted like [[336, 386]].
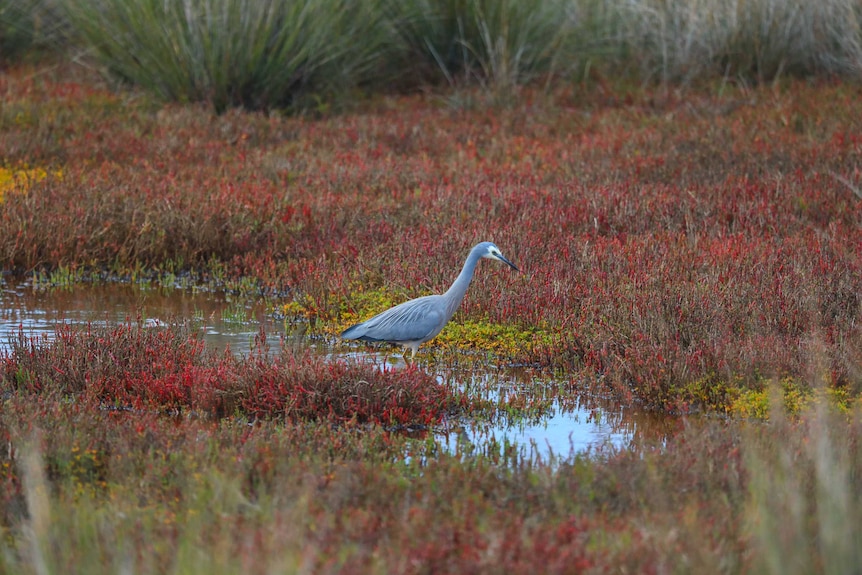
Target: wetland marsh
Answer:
[[672, 385]]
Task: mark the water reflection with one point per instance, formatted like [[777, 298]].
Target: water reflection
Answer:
[[562, 431], [559, 423], [222, 321], [564, 424]]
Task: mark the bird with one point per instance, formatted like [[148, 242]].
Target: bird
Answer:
[[412, 323]]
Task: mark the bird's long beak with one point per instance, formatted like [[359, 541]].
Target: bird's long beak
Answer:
[[503, 259]]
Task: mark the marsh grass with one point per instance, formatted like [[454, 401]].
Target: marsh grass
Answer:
[[170, 496], [70, 524], [679, 251], [676, 256]]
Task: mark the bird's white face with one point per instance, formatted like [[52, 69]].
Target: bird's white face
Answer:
[[494, 253]]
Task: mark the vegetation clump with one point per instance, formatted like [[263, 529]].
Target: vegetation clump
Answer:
[[167, 370]]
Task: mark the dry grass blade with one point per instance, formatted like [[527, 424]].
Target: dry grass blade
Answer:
[[847, 183]]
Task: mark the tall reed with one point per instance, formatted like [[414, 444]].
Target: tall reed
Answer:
[[756, 40], [805, 506]]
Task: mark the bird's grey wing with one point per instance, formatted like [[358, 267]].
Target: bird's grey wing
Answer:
[[413, 320]]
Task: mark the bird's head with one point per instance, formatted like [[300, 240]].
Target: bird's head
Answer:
[[491, 251]]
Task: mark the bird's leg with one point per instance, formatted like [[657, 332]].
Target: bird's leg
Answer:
[[412, 359]]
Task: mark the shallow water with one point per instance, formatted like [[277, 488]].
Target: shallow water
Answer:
[[564, 428], [559, 429], [223, 322]]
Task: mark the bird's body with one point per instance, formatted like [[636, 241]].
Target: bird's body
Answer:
[[414, 322]]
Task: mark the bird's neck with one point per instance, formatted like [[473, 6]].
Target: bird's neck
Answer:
[[459, 286]]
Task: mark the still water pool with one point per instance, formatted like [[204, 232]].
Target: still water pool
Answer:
[[560, 429]]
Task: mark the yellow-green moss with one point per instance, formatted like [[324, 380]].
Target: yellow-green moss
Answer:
[[19, 179], [751, 403], [711, 393], [303, 307], [504, 340], [739, 398], [792, 395]]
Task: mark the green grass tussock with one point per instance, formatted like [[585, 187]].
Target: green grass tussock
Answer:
[[250, 53], [30, 26], [501, 44]]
